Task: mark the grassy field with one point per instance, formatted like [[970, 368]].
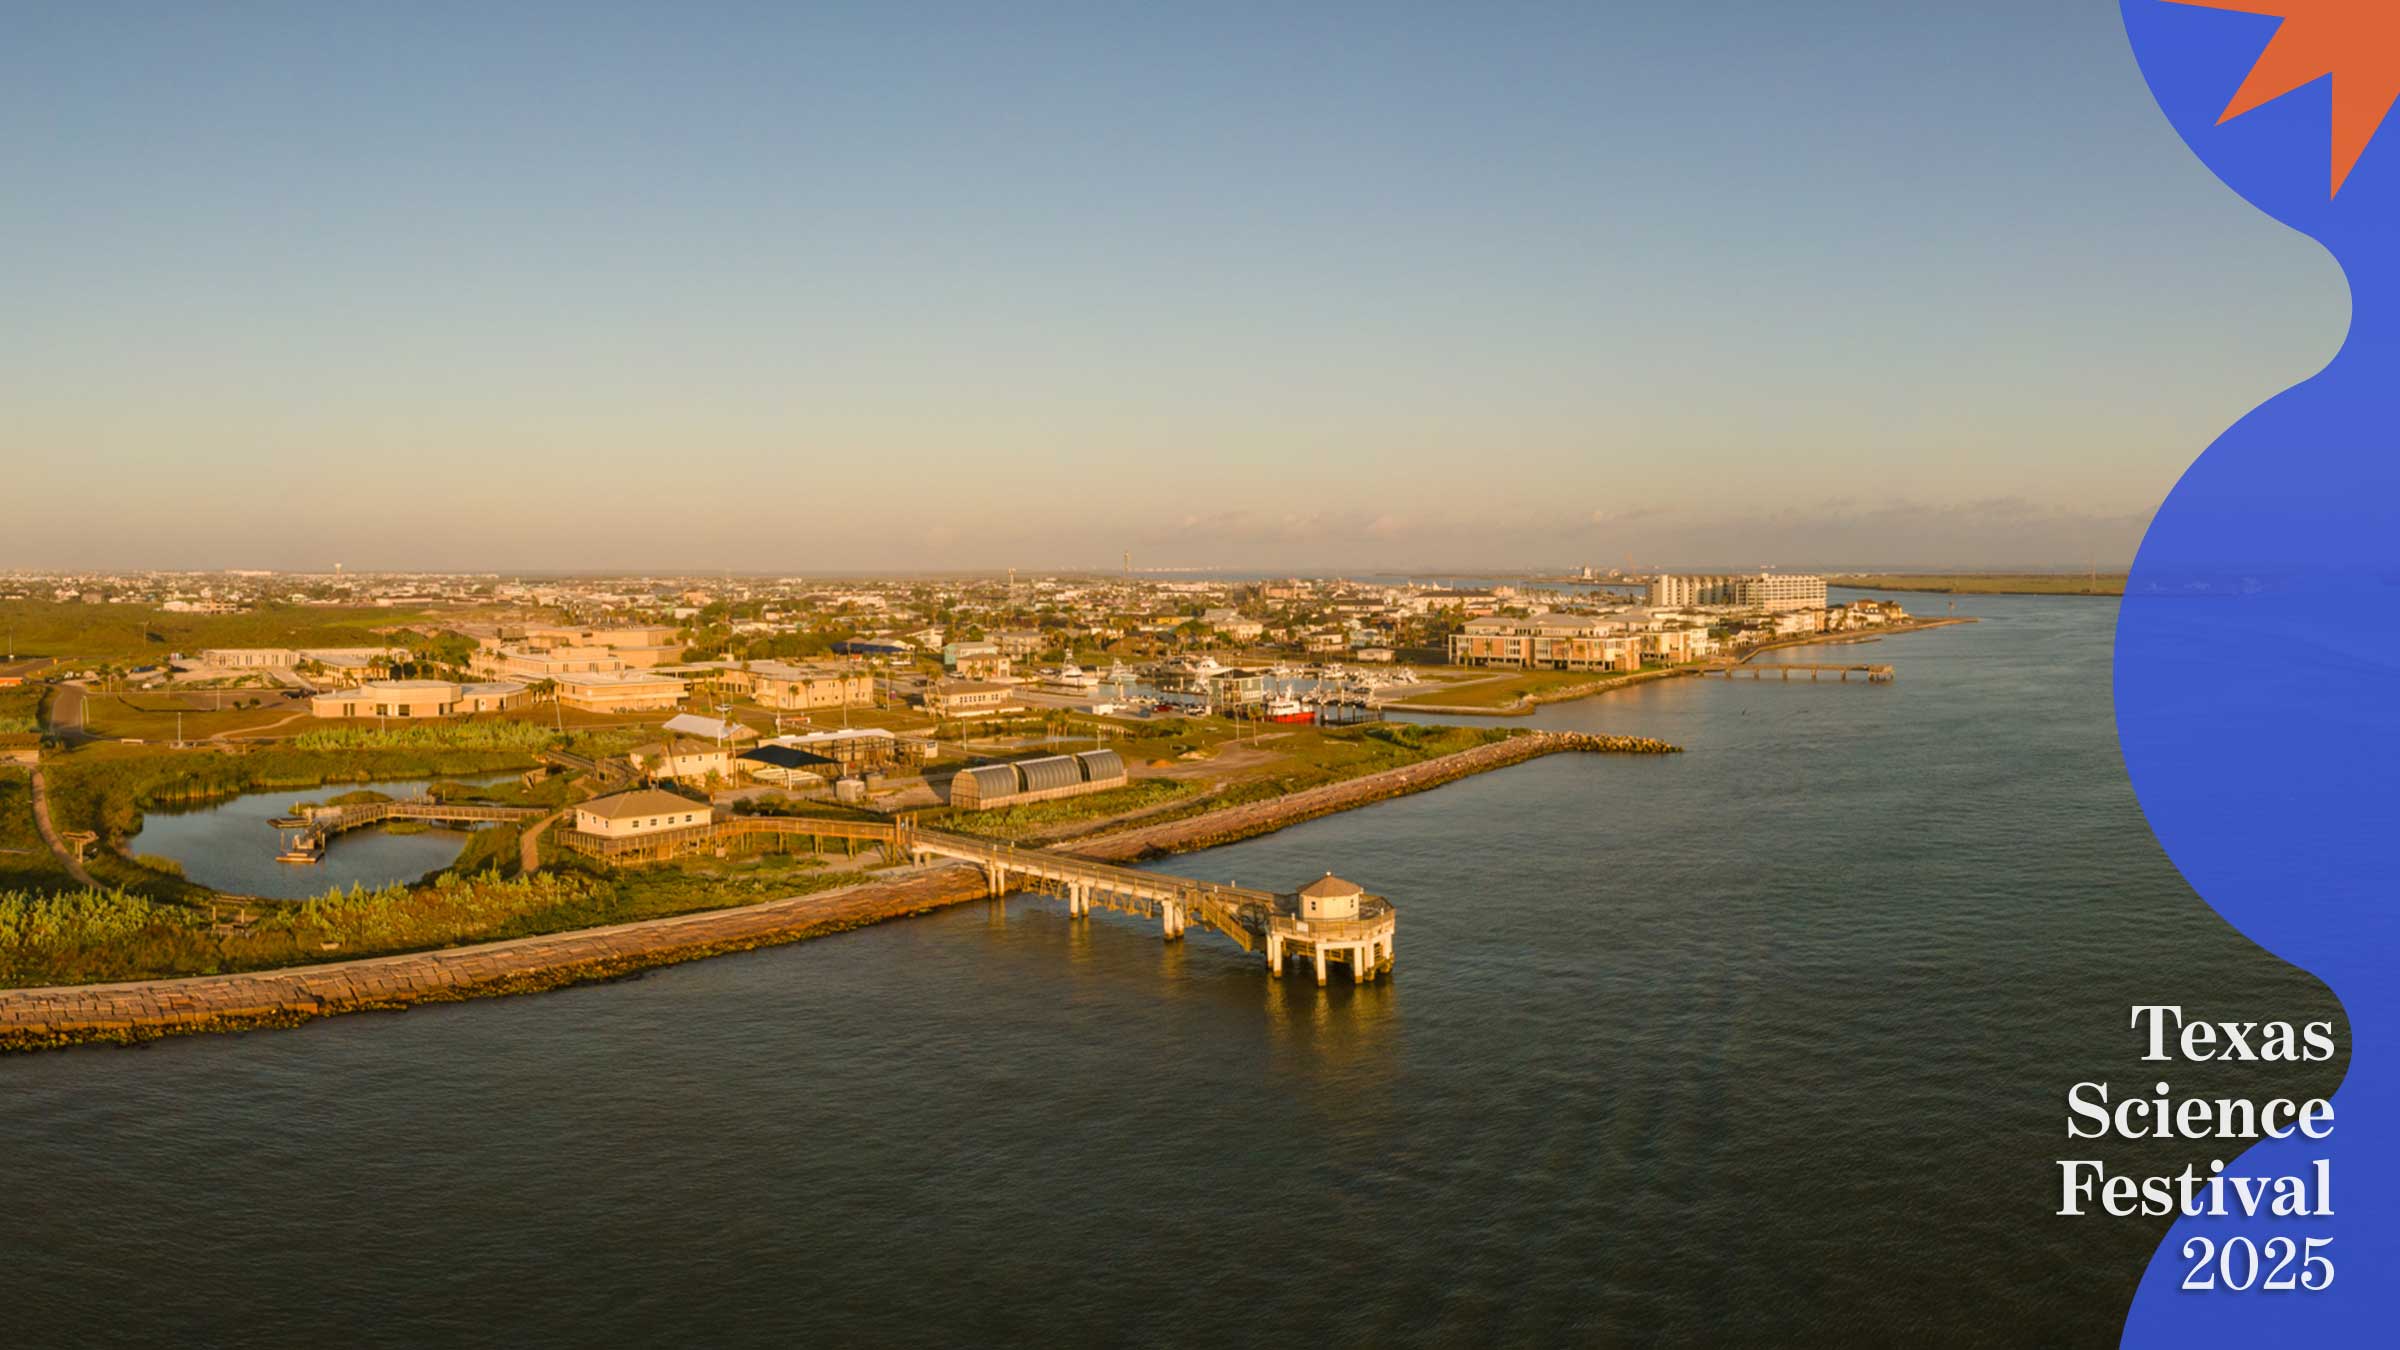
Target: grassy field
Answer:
[[157, 716], [85, 936], [138, 634], [1987, 583], [25, 862], [1033, 818], [1504, 690]]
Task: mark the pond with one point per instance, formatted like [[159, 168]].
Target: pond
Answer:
[[231, 847]]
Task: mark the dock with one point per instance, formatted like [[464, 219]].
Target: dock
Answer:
[[1873, 674], [315, 826]]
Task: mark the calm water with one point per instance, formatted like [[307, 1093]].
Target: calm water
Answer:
[[1760, 1044], [231, 847]]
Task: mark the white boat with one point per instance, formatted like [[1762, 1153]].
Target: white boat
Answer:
[[1072, 676]]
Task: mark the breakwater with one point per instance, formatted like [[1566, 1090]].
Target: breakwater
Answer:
[[1232, 823], [148, 1009]]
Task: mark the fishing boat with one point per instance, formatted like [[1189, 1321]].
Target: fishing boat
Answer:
[[1072, 676], [1288, 709]]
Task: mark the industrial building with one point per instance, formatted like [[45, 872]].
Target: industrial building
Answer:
[[1037, 780]]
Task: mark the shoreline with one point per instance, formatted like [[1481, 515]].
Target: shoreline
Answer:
[[1527, 703], [132, 1012]]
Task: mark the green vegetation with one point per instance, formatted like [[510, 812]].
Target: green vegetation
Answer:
[[140, 634], [1504, 690], [12, 725], [106, 788], [84, 936], [527, 737], [25, 861], [1990, 583]]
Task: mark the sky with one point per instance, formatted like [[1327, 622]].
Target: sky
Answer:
[[939, 286]]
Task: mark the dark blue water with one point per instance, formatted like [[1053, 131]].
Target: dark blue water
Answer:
[[1760, 1044]]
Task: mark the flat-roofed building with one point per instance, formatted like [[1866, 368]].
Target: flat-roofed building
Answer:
[[291, 658], [851, 750], [789, 687], [630, 815], [416, 699], [619, 691], [1774, 592], [967, 698], [1547, 642], [977, 660]]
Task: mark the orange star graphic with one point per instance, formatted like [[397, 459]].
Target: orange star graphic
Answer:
[[2357, 42]]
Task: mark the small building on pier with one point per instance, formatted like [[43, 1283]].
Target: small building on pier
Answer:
[[1332, 921]]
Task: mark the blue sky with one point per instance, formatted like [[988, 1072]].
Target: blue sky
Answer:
[[819, 287]]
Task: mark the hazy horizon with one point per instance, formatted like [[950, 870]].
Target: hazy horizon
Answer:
[[851, 290]]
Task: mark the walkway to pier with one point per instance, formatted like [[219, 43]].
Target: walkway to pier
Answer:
[[1758, 671], [1256, 919], [318, 824]]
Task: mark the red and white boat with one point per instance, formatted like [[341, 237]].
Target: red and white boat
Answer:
[[1289, 709]]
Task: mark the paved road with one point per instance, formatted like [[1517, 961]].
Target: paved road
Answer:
[[66, 716]]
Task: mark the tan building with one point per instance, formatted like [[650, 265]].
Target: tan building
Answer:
[[524, 664], [793, 688], [686, 760], [1547, 642], [967, 698], [1332, 920], [416, 699], [637, 647], [619, 691], [630, 815]]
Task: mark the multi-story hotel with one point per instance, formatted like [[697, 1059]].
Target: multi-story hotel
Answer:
[[1773, 592], [1548, 642]]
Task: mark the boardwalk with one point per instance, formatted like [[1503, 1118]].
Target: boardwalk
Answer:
[[1758, 671], [1243, 914]]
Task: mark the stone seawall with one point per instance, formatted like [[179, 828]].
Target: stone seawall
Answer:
[[1256, 818], [144, 1010]]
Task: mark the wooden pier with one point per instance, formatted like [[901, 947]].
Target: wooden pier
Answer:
[[1353, 929], [1873, 674], [315, 826]]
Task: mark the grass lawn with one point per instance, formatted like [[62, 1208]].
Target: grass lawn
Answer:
[[151, 716], [1504, 690]]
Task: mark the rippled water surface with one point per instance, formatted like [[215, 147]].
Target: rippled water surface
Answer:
[[231, 847], [1763, 1043]]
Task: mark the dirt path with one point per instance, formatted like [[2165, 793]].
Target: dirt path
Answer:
[[529, 844], [58, 846]]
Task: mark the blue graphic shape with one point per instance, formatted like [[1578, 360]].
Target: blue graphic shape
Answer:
[[2258, 690]]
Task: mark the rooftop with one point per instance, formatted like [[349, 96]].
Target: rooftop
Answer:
[[641, 802]]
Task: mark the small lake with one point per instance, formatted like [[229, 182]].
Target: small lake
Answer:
[[230, 846]]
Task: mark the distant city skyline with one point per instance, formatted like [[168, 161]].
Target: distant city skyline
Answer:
[[855, 290]]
